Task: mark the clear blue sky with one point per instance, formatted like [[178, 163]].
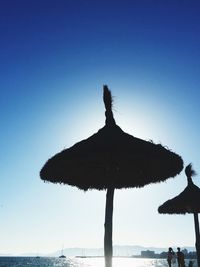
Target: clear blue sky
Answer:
[[55, 57]]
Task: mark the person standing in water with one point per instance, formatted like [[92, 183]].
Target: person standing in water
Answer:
[[170, 256], [180, 258]]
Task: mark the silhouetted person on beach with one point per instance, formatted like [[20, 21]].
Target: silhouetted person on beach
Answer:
[[180, 258], [170, 256]]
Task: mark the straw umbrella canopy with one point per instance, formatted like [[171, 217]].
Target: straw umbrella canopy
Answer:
[[111, 159], [187, 201]]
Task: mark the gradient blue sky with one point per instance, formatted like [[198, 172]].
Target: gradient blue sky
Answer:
[[55, 57]]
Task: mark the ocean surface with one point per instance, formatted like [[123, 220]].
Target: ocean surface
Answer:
[[82, 262]]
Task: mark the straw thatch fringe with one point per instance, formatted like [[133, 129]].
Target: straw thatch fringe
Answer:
[[112, 157]]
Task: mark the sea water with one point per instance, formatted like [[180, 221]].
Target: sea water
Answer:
[[82, 262]]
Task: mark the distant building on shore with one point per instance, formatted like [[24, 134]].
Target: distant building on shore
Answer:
[[163, 255], [148, 254]]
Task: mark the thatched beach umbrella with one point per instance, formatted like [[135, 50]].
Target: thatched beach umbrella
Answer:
[[111, 159], [187, 201]]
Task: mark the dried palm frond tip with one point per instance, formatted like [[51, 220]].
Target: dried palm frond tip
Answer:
[[107, 98], [190, 172], [108, 102]]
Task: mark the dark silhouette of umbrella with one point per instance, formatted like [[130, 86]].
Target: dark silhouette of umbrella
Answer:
[[111, 159], [187, 201]]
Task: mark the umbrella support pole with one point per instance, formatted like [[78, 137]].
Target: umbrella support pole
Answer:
[[108, 248], [197, 244]]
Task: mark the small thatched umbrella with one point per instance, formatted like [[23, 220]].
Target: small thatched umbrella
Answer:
[[111, 159], [187, 201]]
